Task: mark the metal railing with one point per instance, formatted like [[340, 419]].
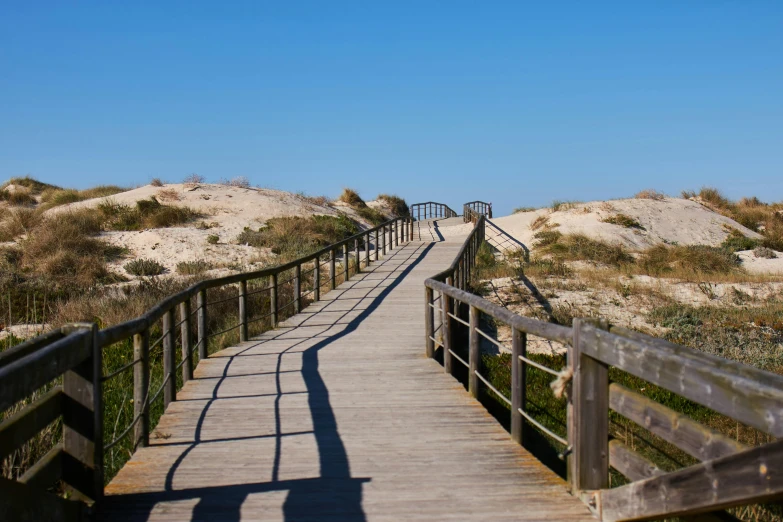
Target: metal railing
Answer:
[[74, 353], [431, 210], [729, 473], [471, 211]]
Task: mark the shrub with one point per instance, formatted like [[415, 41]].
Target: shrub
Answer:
[[148, 213], [293, 237], [352, 198], [714, 198], [168, 194], [194, 179], [663, 259], [737, 241], [57, 197], [372, 215], [578, 247], [764, 252], [157, 182], [144, 267], [650, 194], [197, 267], [18, 197], [397, 205], [213, 239], [239, 181], [623, 220], [547, 237]]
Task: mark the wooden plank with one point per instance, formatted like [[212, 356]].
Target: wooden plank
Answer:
[[724, 388], [22, 502], [26, 423], [47, 471], [589, 433], [742, 478], [23, 376], [632, 465], [682, 431], [17, 352]]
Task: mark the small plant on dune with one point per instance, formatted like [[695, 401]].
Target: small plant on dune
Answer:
[[203, 225], [352, 198], [623, 220], [764, 253], [737, 241], [373, 215], [539, 222], [292, 237], [144, 267], [558, 206], [663, 259], [31, 184], [194, 179], [148, 213], [18, 197], [714, 198], [168, 194], [397, 205], [101, 191], [578, 247], [213, 239], [239, 182], [520, 210], [192, 268], [547, 237], [319, 201], [650, 194], [18, 221], [156, 182]]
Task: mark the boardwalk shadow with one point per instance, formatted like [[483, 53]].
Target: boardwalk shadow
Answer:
[[334, 494]]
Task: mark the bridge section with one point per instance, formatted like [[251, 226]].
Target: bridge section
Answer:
[[337, 415]]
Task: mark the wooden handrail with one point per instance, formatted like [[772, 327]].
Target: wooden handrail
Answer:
[[431, 210], [730, 474]]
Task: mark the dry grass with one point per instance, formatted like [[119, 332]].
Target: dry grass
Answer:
[[191, 268], [147, 213], [650, 194], [238, 182], [519, 210], [56, 196], [539, 222], [157, 182], [31, 184], [623, 220], [144, 267], [693, 259], [352, 198], [397, 205], [168, 194], [319, 201], [579, 247], [17, 198], [194, 179], [17, 222]]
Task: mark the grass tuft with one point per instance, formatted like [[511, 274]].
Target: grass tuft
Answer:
[[194, 268], [650, 194], [623, 220], [397, 205], [144, 267], [662, 260]]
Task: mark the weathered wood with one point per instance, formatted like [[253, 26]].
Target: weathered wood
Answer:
[[741, 478], [141, 382], [724, 388], [242, 311], [429, 321], [17, 352], [631, 464], [358, 256], [446, 322], [377, 246], [24, 375], [317, 280], [21, 502], [346, 263], [474, 352], [26, 423], [367, 249], [588, 425], [169, 365], [332, 270], [46, 471], [273, 305], [187, 356], [682, 431], [201, 318], [298, 289], [82, 413], [518, 390]]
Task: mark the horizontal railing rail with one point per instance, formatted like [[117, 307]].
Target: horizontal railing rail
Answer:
[[472, 210], [431, 210], [728, 475], [74, 354]]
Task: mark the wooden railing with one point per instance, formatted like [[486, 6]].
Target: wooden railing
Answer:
[[729, 473], [74, 353], [471, 211], [431, 210]]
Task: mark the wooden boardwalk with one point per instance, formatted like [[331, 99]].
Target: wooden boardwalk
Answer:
[[338, 415]]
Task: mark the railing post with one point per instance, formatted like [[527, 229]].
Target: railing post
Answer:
[[201, 304], [187, 356], [347, 259], [297, 289], [473, 354], [358, 256], [377, 246], [429, 320], [273, 300], [588, 414], [83, 419], [367, 249], [518, 370], [317, 280], [169, 367], [141, 383], [447, 306], [332, 270], [383, 236], [243, 311]]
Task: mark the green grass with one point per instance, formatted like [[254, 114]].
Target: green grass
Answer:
[[623, 220], [147, 213]]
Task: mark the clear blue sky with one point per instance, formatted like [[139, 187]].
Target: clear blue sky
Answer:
[[518, 103]]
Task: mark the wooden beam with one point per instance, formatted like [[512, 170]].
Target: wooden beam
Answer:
[[46, 471], [631, 464], [21, 502], [682, 431], [26, 423], [749, 477]]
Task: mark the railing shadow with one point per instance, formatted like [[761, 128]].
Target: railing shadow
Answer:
[[334, 493]]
